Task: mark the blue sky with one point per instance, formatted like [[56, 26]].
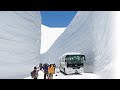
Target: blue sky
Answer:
[[57, 18]]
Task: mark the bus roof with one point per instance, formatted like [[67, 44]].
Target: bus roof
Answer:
[[73, 53]]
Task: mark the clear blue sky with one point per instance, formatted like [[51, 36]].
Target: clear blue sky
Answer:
[[57, 18]]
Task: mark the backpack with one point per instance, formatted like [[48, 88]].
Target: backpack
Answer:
[[34, 74]]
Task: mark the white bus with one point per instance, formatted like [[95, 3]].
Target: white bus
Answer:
[[72, 63]]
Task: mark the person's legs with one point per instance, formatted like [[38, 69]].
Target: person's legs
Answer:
[[54, 71], [51, 75], [44, 75], [35, 78], [47, 75]]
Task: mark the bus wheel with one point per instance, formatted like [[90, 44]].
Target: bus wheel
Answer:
[[60, 70], [65, 72]]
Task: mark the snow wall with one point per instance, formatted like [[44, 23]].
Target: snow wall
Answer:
[[19, 42], [90, 33]]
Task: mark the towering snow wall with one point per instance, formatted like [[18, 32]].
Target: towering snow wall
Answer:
[[19, 42], [90, 33]]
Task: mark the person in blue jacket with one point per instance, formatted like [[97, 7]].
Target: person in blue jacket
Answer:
[[45, 68]]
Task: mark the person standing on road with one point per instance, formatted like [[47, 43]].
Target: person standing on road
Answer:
[[45, 68], [50, 71], [34, 73]]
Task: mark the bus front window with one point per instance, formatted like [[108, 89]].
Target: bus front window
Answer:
[[74, 60]]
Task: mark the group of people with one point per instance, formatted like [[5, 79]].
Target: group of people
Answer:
[[48, 69]]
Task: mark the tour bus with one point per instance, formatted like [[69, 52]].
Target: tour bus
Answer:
[[71, 63]]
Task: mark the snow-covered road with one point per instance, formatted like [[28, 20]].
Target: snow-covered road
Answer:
[[62, 76]]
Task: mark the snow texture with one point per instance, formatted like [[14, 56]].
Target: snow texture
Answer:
[[116, 60], [90, 33], [19, 42], [49, 36], [59, 75]]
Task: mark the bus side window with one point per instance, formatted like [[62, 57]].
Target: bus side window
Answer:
[[65, 59]]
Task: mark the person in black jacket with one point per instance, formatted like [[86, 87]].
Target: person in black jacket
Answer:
[[34, 73]]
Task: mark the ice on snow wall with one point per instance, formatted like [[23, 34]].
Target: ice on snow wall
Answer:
[[19, 42], [90, 33]]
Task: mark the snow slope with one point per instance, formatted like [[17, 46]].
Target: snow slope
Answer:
[[92, 34], [49, 36], [19, 42]]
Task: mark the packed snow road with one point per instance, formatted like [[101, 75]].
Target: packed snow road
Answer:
[[59, 75]]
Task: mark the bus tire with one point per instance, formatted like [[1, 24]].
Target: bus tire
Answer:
[[60, 70], [65, 72]]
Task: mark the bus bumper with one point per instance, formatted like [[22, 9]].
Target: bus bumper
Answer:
[[77, 71]]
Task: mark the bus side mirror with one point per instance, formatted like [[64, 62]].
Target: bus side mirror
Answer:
[[84, 58]]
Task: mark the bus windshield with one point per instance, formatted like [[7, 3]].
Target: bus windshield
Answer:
[[74, 60]]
